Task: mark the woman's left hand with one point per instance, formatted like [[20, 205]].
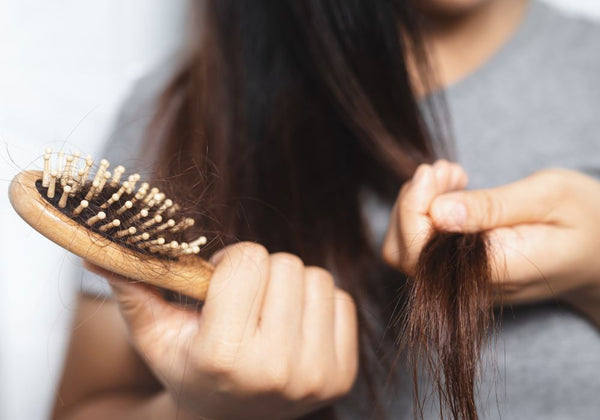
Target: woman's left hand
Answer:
[[544, 233]]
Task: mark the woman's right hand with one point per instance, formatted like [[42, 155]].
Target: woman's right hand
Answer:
[[274, 339]]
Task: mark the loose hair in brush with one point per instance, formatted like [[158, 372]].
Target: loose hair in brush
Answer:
[[282, 115]]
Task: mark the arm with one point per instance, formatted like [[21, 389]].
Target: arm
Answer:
[[104, 377]]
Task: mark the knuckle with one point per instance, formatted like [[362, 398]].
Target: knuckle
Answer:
[[132, 307], [491, 209], [344, 383], [422, 167], [253, 251], [320, 275], [247, 255], [213, 365], [343, 297], [552, 186], [458, 170], [554, 176], [441, 164], [455, 166], [344, 387], [217, 358], [552, 173], [315, 384], [553, 182], [276, 377], [287, 260]]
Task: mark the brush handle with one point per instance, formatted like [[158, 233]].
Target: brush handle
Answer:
[[189, 275]]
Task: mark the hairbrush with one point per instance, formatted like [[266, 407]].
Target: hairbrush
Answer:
[[122, 225]]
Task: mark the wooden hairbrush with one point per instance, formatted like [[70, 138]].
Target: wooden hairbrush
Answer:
[[135, 232]]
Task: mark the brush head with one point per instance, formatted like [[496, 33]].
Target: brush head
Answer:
[[122, 225], [125, 211]]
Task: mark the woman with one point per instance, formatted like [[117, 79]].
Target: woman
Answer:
[[300, 118]]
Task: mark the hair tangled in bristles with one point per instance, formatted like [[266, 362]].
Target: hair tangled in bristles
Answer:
[[448, 314]]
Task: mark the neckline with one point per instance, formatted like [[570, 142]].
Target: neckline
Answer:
[[526, 31]]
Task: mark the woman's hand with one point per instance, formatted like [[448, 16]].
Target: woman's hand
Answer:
[[410, 222], [274, 339], [544, 231]]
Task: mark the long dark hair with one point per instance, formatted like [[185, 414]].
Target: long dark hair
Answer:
[[280, 120]]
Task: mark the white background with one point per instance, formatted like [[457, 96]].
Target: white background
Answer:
[[65, 65]]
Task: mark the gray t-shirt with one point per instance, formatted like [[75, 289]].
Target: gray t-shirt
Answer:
[[534, 105]]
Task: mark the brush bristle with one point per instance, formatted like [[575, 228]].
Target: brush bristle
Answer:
[[144, 220]]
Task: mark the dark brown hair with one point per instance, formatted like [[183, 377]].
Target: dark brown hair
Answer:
[[275, 126], [448, 311]]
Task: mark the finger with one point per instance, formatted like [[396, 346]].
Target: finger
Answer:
[[236, 292], [441, 172], [217, 256], [130, 295], [421, 190], [318, 314], [409, 226], [414, 226], [391, 247], [526, 260], [345, 335], [142, 307], [449, 176], [458, 178], [524, 201], [282, 311]]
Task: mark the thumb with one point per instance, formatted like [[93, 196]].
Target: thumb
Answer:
[[141, 305], [524, 201]]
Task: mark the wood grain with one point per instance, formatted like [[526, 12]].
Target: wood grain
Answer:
[[189, 275]]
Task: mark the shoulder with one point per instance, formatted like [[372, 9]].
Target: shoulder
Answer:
[[534, 103], [126, 141], [569, 36]]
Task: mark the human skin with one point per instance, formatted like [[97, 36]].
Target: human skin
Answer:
[[119, 380], [451, 8], [544, 231], [462, 35], [274, 340]]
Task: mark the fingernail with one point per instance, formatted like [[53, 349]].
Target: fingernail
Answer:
[[450, 214]]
